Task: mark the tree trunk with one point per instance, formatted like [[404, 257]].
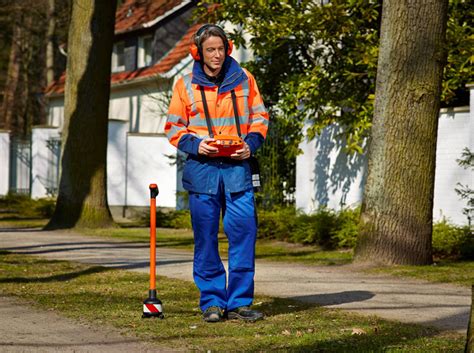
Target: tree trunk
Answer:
[[12, 81], [50, 42], [82, 197], [396, 218]]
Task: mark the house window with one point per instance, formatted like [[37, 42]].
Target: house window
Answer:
[[145, 51], [118, 57]]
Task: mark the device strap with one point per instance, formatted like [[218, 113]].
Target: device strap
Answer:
[[206, 112], [236, 112], [208, 118]]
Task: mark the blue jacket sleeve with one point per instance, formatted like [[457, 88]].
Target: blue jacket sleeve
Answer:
[[254, 140], [189, 144]]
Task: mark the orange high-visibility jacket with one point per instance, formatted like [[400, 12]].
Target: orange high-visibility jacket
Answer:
[[186, 110], [186, 125]]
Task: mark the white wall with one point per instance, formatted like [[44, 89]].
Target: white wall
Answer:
[[4, 162], [148, 163], [455, 132], [56, 112], [116, 159], [325, 175], [44, 161]]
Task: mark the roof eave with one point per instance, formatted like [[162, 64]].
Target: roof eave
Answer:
[[158, 19]]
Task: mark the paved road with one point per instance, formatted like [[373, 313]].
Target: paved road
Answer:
[[412, 301]]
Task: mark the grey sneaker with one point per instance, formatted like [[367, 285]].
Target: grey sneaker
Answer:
[[213, 314], [245, 313]]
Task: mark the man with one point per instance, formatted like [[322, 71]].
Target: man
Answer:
[[219, 98]]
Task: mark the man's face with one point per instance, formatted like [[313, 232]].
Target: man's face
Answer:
[[213, 51]]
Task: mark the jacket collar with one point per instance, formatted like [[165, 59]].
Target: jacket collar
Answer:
[[233, 75]]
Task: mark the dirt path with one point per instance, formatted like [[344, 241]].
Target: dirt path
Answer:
[[26, 329]]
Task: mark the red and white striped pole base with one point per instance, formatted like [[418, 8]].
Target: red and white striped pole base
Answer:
[[152, 306]]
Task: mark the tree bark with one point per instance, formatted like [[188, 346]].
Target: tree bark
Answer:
[[12, 81], [82, 196], [50, 42], [396, 218]]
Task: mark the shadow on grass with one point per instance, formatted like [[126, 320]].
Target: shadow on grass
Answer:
[[56, 278], [336, 298], [88, 245]]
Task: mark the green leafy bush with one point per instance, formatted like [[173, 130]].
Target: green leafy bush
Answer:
[[345, 234], [453, 241], [173, 219], [325, 227], [14, 206]]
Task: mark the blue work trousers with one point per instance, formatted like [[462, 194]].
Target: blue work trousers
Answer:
[[240, 226]]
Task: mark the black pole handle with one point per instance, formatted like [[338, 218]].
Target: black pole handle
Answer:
[[153, 191]]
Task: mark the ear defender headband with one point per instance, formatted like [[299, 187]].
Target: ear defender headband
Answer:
[[196, 47]]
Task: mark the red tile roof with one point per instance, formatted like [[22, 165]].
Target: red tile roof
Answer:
[[133, 14], [170, 60]]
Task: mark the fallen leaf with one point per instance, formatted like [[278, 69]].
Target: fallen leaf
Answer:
[[310, 330], [193, 327], [286, 333], [299, 334]]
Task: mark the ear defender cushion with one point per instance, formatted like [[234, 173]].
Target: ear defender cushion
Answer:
[[230, 46], [194, 50]]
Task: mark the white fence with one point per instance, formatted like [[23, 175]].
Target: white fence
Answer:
[[134, 162], [326, 176]]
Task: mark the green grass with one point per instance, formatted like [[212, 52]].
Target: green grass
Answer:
[[114, 297], [444, 271], [22, 223]]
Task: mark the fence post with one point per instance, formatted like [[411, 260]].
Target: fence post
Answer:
[[4, 161]]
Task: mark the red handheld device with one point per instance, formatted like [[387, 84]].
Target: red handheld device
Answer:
[[227, 145]]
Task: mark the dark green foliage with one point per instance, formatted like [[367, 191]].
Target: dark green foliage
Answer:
[[458, 70], [173, 219], [15, 206], [326, 228], [452, 241]]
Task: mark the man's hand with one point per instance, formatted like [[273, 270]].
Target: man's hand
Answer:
[[241, 154], [205, 149]]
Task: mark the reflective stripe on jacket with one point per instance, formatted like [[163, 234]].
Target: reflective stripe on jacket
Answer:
[[186, 125]]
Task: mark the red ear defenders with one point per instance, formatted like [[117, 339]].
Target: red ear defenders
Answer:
[[195, 47]]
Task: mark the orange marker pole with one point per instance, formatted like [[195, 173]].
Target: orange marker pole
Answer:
[[152, 305], [153, 187]]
